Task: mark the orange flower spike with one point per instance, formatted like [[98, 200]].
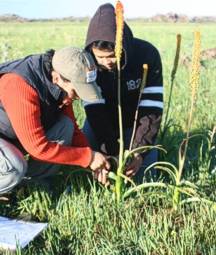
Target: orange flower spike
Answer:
[[119, 10]]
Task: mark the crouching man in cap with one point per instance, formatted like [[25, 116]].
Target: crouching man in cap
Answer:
[[36, 116]]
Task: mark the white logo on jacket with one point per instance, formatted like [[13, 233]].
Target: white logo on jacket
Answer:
[[91, 76], [134, 84]]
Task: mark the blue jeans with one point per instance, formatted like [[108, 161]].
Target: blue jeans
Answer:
[[149, 159], [14, 167]]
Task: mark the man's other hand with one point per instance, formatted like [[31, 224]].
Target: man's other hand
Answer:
[[100, 166], [134, 166]]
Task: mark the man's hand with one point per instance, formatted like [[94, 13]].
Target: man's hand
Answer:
[[101, 176], [99, 161], [134, 166], [100, 166]]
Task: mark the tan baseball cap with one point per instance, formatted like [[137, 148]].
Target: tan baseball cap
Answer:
[[78, 66]]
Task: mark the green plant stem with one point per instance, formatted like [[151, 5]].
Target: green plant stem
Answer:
[[182, 157], [137, 109], [168, 107], [119, 183], [119, 180]]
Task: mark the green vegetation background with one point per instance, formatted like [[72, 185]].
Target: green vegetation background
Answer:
[[82, 216]]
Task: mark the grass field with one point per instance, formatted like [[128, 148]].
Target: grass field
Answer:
[[83, 218]]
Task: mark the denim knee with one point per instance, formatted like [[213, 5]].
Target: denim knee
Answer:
[[62, 131], [13, 166], [68, 130]]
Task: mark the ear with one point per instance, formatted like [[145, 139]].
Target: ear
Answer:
[[55, 77]]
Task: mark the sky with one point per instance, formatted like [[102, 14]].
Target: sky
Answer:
[[80, 8]]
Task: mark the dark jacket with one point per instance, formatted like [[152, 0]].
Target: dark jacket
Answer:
[[35, 70], [103, 114]]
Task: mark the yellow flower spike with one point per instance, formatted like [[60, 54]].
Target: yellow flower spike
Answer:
[[119, 10], [195, 68], [145, 68], [172, 78], [176, 60], [145, 72]]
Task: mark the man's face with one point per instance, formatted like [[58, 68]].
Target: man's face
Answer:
[[66, 85], [105, 58]]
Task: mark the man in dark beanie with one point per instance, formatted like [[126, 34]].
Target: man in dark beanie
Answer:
[[103, 135], [36, 116]]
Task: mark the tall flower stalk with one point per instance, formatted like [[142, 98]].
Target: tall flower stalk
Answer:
[[172, 79], [118, 53], [145, 71], [193, 83]]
